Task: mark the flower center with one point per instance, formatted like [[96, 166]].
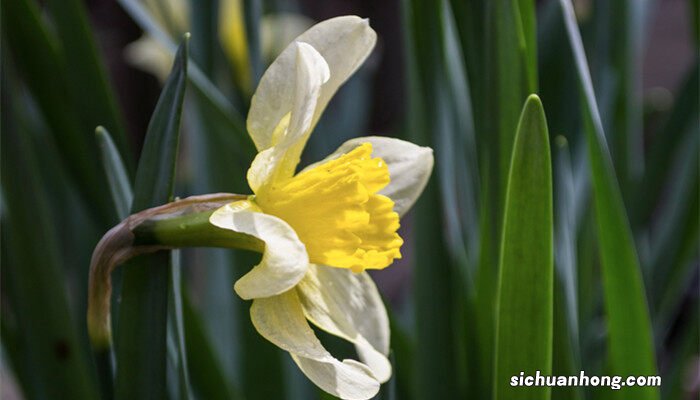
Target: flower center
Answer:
[[337, 213]]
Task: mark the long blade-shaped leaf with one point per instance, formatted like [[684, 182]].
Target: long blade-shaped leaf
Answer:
[[630, 348], [39, 60], [208, 379], [525, 293], [114, 168], [516, 71], [435, 358], [176, 331], [141, 341], [50, 358], [85, 73]]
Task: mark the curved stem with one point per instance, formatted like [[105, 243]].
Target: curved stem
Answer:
[[182, 223]]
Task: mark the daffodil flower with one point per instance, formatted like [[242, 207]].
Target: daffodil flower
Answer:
[[318, 230], [326, 225]]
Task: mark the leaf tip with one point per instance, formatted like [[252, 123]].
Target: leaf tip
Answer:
[[533, 100]]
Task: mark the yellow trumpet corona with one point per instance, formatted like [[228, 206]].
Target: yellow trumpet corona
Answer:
[[337, 212]]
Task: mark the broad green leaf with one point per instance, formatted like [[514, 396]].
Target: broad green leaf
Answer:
[[525, 290], [35, 301], [141, 333], [87, 81], [630, 348]]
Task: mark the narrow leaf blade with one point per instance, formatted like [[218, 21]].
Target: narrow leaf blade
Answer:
[[117, 176], [630, 348], [141, 340], [525, 295]]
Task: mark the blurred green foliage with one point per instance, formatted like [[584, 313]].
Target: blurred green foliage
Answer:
[[581, 255]]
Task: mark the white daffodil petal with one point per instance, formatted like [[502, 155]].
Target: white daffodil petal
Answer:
[[277, 161], [311, 73], [280, 319], [348, 305], [343, 42], [284, 261], [351, 383], [409, 165]]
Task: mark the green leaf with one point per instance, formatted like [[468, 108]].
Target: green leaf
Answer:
[[528, 27], [252, 12], [85, 73], [525, 292], [437, 369], [630, 348], [208, 381], [42, 66], [207, 93], [50, 353], [204, 34], [122, 196], [141, 339], [176, 330], [114, 168], [618, 49], [516, 74]]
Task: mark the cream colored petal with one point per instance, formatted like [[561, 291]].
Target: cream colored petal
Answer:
[[348, 305], [409, 165], [280, 319], [284, 261], [275, 162], [344, 42], [312, 72]]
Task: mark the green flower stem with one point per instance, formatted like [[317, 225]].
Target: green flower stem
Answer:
[[183, 223], [192, 230]]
